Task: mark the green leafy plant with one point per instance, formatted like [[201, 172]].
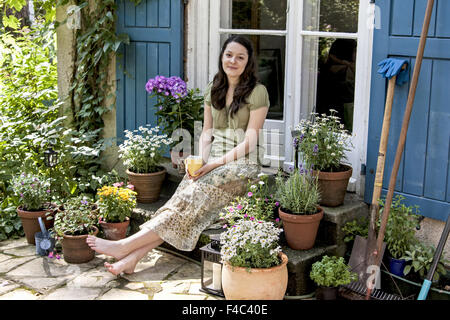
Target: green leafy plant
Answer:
[[257, 204], [419, 257], [251, 244], [32, 190], [322, 142], [332, 272], [116, 202], [357, 227], [299, 193], [142, 153], [78, 216], [400, 228]]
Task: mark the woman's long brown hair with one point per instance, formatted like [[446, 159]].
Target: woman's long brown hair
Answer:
[[247, 80]]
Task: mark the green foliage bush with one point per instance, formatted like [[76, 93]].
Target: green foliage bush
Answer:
[[400, 229], [332, 272], [419, 258], [30, 122]]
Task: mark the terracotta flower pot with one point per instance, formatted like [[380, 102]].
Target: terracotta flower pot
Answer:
[[333, 186], [75, 248], [257, 284], [147, 185], [301, 230], [115, 230], [30, 222]]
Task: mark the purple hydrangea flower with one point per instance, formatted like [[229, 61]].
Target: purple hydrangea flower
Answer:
[[173, 86]]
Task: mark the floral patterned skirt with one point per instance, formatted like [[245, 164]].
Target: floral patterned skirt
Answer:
[[195, 205]]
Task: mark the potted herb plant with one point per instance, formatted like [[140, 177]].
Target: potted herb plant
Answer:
[[33, 192], [177, 108], [419, 257], [400, 232], [329, 274], [142, 155], [254, 268], [322, 143], [299, 208], [115, 205], [74, 221]]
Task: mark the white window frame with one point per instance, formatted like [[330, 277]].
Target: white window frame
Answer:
[[293, 78]]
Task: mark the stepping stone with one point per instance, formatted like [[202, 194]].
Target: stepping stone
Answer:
[[68, 293], [22, 251], [119, 294], [157, 265], [6, 286], [19, 294], [10, 264]]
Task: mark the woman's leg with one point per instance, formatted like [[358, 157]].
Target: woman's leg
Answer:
[[129, 262], [121, 248]]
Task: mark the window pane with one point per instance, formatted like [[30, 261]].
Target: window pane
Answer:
[[331, 15], [336, 78], [270, 52], [254, 14]]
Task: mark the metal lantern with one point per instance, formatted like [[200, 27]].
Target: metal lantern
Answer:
[[211, 268], [51, 157]]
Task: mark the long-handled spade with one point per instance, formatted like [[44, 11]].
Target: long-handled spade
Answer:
[[397, 71], [375, 252]]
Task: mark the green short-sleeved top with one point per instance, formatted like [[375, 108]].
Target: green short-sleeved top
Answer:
[[229, 131]]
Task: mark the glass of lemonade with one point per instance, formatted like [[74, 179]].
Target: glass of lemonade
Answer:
[[193, 163]]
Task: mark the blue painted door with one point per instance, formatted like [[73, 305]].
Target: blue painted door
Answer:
[[424, 174], [155, 28]]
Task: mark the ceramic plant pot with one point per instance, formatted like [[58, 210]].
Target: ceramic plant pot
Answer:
[[147, 185], [115, 230], [326, 293], [396, 266], [300, 229], [255, 284], [30, 221], [76, 250], [333, 186]]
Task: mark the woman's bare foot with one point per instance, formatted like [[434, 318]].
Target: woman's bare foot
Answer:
[[108, 247], [126, 266]]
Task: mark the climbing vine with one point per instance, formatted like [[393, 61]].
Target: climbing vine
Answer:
[[90, 92]]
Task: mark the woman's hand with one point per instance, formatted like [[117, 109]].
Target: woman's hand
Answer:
[[202, 171]]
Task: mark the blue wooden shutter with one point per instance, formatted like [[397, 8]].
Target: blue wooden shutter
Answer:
[[155, 28], [424, 174]]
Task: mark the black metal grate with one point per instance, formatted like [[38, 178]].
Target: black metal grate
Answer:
[[376, 294]]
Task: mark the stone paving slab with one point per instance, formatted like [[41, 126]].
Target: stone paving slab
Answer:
[[157, 265], [4, 257], [22, 251], [12, 263], [6, 286], [19, 294], [13, 243], [119, 294], [24, 275], [174, 296], [73, 293]]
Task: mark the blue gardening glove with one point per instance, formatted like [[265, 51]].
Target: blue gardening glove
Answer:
[[390, 67], [403, 76], [384, 66]]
